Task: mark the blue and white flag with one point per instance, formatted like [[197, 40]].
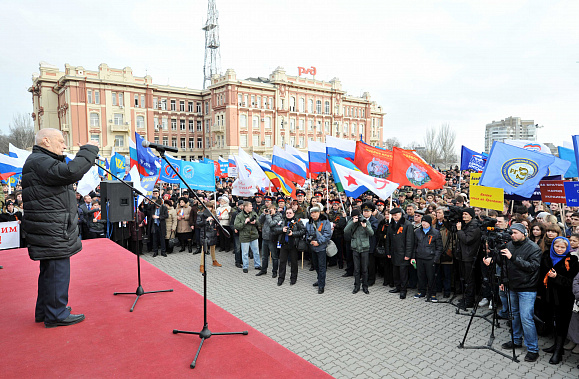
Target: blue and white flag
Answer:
[[471, 160], [199, 176], [516, 170], [167, 173], [118, 165], [576, 148], [568, 155]]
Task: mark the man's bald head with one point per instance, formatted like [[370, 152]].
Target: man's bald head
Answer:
[[51, 139]]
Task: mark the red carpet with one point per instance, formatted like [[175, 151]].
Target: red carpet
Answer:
[[113, 342]]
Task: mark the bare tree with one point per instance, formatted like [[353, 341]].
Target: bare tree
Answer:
[[21, 131], [445, 139], [431, 146], [391, 142]]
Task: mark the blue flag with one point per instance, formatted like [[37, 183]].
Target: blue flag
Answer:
[[148, 183], [576, 147], [517, 171], [167, 173], [471, 160], [568, 155], [197, 175], [118, 165], [145, 157]]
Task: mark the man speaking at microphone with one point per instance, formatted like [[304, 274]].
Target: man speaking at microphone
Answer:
[[50, 220]]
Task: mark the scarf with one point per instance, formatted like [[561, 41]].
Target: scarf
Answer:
[[556, 257]]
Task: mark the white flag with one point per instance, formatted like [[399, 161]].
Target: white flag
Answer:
[[89, 181]]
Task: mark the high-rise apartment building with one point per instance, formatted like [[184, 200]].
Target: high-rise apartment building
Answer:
[[110, 105], [510, 128]]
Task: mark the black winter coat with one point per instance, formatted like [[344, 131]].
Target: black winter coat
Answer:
[[207, 228], [469, 240], [429, 245], [522, 270], [400, 241], [559, 289], [50, 217], [298, 231]]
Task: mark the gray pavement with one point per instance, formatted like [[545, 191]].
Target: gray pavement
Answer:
[[359, 336]]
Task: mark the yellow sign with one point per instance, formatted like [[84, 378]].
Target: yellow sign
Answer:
[[474, 178], [487, 197]]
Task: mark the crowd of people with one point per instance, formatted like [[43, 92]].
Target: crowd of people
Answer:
[[430, 241]]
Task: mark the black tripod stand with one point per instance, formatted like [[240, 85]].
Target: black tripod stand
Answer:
[[140, 291], [495, 297], [205, 333]]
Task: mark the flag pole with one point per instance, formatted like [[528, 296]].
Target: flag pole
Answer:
[[342, 202]]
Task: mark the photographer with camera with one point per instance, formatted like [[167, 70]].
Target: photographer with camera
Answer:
[[520, 262], [289, 233], [318, 233], [359, 231], [267, 220], [246, 224], [468, 234], [400, 247]]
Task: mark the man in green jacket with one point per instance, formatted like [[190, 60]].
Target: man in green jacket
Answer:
[[246, 224], [359, 230]]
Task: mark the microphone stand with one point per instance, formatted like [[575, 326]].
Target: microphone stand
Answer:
[[139, 292], [205, 333]]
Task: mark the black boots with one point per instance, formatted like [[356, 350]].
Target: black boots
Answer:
[[551, 349], [558, 352], [190, 246], [182, 246]]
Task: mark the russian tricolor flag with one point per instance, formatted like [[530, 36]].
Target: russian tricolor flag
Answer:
[[337, 147], [302, 157], [232, 167], [9, 166], [288, 166], [317, 156]]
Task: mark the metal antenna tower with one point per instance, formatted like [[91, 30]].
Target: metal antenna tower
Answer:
[[212, 54]]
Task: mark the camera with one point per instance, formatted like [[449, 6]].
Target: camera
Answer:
[[362, 219], [496, 238], [453, 214], [252, 218]]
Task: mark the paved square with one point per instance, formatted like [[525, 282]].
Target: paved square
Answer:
[[359, 336]]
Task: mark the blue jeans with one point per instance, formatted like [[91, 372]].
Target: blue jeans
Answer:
[[245, 251], [523, 308], [237, 248]]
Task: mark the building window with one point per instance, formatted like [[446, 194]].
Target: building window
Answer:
[[190, 106], [338, 127], [114, 97], [164, 104], [121, 100], [207, 107], [136, 101], [267, 141], [302, 124], [311, 125], [353, 129], [183, 143], [199, 126], [140, 122], [292, 124], [191, 143], [346, 127], [327, 127], [94, 120], [282, 140], [253, 100], [255, 141], [327, 110], [268, 122], [97, 97], [319, 126], [245, 103], [302, 104], [165, 140], [156, 121], [292, 104], [182, 106], [156, 140], [119, 141], [96, 137], [182, 124], [270, 103], [173, 124], [239, 99], [207, 143], [301, 141], [118, 119], [207, 126], [165, 124], [258, 102], [174, 142], [142, 101], [310, 106], [173, 105], [200, 143], [318, 106], [361, 129], [191, 127], [89, 96], [255, 122], [243, 121], [292, 141], [243, 140], [155, 103], [198, 107]]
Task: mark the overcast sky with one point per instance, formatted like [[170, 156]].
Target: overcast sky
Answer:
[[465, 63]]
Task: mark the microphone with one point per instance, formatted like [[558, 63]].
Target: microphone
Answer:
[[158, 147]]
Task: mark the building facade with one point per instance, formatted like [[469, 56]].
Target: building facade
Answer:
[[110, 105], [510, 128]]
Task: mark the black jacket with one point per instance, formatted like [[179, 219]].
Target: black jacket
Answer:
[[429, 245], [469, 239], [522, 270], [400, 241], [297, 228], [50, 217], [207, 228]]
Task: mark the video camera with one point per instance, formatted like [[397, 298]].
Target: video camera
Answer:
[[496, 238]]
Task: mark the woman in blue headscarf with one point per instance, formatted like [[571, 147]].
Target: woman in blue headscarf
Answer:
[[562, 267]]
